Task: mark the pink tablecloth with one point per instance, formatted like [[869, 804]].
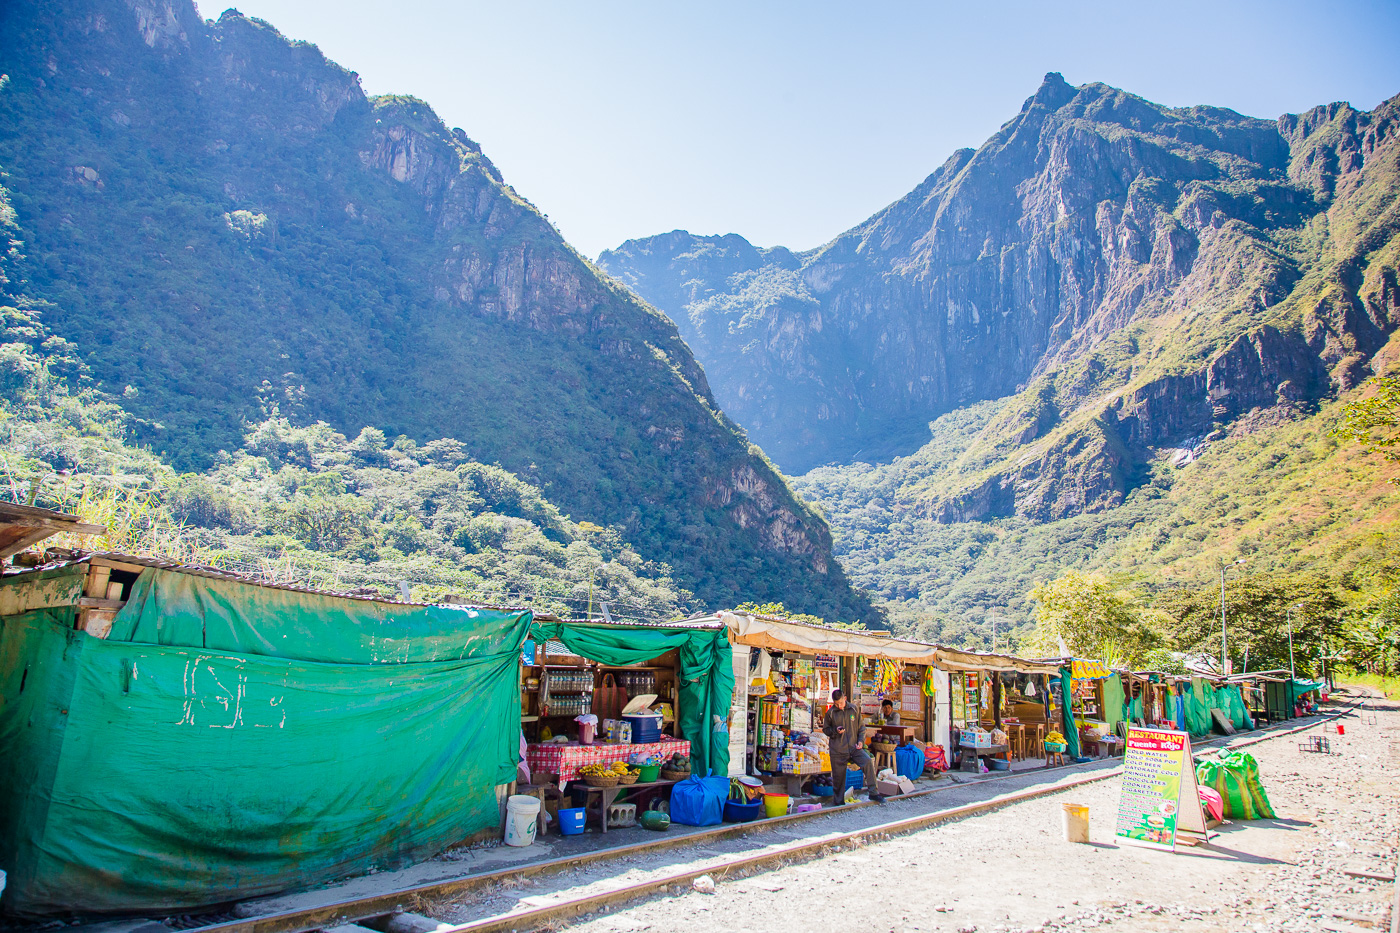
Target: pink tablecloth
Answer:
[[565, 760]]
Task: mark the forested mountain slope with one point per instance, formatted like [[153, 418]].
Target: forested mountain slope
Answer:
[[213, 215], [1129, 325]]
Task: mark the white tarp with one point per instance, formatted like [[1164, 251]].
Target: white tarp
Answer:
[[779, 635], [759, 632]]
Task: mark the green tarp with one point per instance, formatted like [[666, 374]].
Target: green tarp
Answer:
[[706, 675], [1197, 708], [230, 740], [1300, 688], [1070, 729], [1115, 705], [1231, 703]]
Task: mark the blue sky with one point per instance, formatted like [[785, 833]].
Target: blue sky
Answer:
[[789, 122]]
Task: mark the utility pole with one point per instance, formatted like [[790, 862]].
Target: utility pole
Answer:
[[1289, 616], [1224, 647]]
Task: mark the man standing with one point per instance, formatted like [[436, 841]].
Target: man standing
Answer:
[[844, 727]]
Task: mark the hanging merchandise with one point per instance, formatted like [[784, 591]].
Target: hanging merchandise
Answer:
[[886, 677], [930, 688]]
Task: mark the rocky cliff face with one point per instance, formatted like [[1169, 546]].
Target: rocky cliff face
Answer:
[[219, 217], [1134, 274]]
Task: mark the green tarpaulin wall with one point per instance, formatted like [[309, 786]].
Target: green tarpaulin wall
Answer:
[[1197, 707], [706, 675], [1231, 702], [1300, 688], [229, 740], [1201, 697], [1115, 705], [1071, 731]]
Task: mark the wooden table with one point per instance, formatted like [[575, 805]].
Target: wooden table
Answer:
[[607, 796], [1016, 732], [793, 782], [903, 733], [969, 762]]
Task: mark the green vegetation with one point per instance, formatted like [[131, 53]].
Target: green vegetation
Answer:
[[1280, 492], [1082, 615], [1388, 686], [223, 226], [308, 505]]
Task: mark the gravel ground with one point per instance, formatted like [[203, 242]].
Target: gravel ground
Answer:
[[1012, 870]]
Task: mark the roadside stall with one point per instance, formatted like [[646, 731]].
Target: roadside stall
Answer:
[[794, 667], [1148, 699], [1255, 692], [609, 709], [1000, 708], [1093, 706], [1305, 695]]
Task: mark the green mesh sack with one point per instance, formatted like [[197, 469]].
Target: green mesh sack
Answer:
[[1235, 777]]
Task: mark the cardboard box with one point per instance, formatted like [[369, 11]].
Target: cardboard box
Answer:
[[978, 739], [895, 787]]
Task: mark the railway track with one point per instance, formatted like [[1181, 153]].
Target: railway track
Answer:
[[409, 910]]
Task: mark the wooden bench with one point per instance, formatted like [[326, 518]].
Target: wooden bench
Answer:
[[599, 799]]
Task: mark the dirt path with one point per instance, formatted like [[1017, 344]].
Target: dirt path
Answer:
[[1011, 869]]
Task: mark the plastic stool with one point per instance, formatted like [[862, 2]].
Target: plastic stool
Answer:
[[622, 815]]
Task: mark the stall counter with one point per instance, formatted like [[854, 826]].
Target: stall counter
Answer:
[[566, 760]]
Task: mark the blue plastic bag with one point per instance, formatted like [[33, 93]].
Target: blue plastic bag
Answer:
[[909, 762], [698, 801]]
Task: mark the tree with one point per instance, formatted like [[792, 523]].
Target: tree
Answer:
[[1092, 619], [1257, 614], [1375, 421]]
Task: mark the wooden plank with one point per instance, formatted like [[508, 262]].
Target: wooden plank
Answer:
[[87, 602], [96, 622], [116, 564], [1373, 875], [96, 586], [46, 589]]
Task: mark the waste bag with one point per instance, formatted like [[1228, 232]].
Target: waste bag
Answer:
[[698, 801], [1235, 777]]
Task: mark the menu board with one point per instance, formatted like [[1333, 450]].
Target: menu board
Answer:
[[911, 698], [1158, 796]]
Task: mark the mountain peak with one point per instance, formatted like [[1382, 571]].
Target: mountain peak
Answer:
[[1054, 92]]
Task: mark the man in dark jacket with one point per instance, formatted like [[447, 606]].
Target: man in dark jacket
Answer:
[[846, 730]]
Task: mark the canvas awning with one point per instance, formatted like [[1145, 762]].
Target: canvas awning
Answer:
[[784, 635]]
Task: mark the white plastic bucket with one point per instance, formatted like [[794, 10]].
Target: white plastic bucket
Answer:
[[522, 814], [1076, 819]]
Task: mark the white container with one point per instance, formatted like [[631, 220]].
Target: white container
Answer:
[[1076, 820], [522, 816]]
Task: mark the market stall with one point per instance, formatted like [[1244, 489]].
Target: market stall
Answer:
[[794, 667], [1148, 699], [999, 707], [603, 704], [1258, 691], [1091, 701]]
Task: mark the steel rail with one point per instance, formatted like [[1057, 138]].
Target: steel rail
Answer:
[[402, 900]]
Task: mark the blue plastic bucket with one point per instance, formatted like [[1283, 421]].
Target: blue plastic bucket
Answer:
[[735, 812], [571, 820]]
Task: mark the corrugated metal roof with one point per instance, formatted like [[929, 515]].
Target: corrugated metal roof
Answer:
[[214, 573]]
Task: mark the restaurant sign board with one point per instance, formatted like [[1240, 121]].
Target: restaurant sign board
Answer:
[[1158, 799]]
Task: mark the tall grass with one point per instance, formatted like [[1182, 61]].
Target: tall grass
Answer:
[[1390, 686]]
